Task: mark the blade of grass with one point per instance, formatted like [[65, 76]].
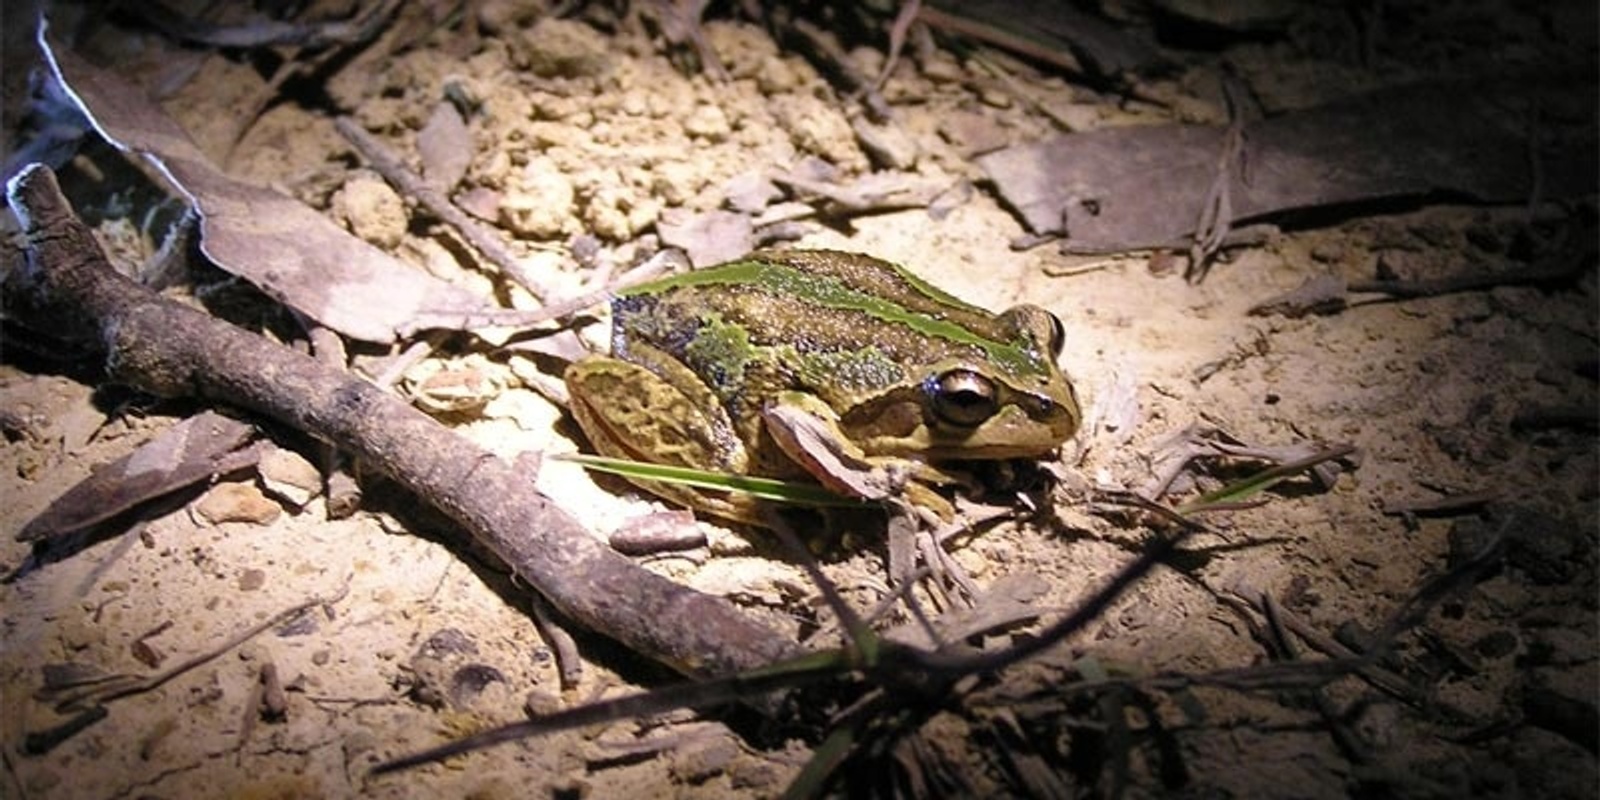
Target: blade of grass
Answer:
[[826, 758], [761, 488], [1240, 490]]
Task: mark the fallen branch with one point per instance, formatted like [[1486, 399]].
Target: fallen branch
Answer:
[[169, 349]]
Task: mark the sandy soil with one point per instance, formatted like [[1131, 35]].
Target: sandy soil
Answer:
[[586, 128]]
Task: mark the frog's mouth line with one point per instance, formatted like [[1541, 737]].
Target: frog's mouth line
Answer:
[[902, 426], [987, 453], [951, 449]]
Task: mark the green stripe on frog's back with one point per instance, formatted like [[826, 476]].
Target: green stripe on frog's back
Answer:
[[858, 284]]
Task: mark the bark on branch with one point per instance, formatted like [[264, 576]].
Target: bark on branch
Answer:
[[162, 347]]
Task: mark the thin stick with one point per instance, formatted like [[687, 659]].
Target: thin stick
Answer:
[[1552, 269], [100, 694], [480, 236]]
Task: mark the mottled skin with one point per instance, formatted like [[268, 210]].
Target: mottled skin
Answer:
[[894, 369]]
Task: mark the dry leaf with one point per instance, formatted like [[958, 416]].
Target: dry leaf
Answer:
[[292, 253]]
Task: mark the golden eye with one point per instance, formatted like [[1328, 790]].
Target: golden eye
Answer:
[[1058, 335], [962, 398]]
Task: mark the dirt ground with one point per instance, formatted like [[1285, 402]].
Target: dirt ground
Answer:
[[585, 137]]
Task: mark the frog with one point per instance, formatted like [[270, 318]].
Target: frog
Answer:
[[710, 369]]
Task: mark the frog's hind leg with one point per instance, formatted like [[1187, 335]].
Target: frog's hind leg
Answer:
[[631, 412]]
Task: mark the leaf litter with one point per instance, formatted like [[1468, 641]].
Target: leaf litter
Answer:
[[1443, 396]]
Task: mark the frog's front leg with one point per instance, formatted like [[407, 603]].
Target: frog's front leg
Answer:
[[808, 432], [630, 412]]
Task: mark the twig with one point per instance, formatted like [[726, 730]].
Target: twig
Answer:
[[834, 60], [871, 663], [1348, 740], [897, 41], [1195, 442], [1093, 605], [1020, 87], [396, 367], [1549, 270], [98, 694], [360, 27], [1363, 664], [954, 22], [408, 183], [1330, 294], [1450, 504], [647, 270], [1216, 211], [340, 491], [680, 23], [569, 667], [1248, 597], [247, 113], [170, 349]]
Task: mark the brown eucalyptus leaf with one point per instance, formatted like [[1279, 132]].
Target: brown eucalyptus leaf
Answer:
[[445, 145], [292, 253], [1127, 188], [194, 450], [1055, 33], [710, 237]]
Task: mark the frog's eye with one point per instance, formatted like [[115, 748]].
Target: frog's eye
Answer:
[[1058, 335], [963, 398]]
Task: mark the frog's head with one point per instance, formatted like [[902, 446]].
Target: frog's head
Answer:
[[1000, 400]]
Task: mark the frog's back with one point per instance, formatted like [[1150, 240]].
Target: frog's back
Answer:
[[839, 320]]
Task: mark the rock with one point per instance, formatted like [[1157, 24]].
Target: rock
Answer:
[[287, 476], [702, 762], [371, 210], [539, 201], [562, 48], [445, 146], [236, 502], [889, 145]]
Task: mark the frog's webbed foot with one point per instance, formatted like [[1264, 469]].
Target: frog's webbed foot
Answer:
[[811, 438], [916, 511], [917, 557]]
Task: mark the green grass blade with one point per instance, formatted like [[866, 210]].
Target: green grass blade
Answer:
[[807, 494], [1243, 489]]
